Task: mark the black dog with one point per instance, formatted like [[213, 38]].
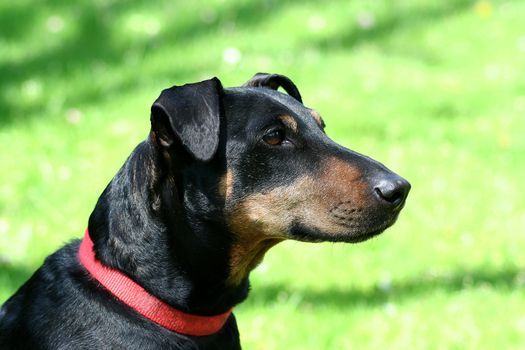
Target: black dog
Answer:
[[223, 176]]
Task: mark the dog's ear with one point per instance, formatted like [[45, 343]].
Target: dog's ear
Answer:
[[190, 114], [274, 81]]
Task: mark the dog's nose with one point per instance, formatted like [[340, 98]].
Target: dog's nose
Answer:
[[392, 190]]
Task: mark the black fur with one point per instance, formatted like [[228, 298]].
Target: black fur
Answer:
[[162, 221], [274, 81]]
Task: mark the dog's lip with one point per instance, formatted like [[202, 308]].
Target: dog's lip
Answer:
[[352, 236], [360, 237], [345, 238], [356, 238]]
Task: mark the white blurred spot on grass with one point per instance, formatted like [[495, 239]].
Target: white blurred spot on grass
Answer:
[[316, 23], [520, 325], [385, 284], [120, 127], [492, 72], [31, 89], [64, 173], [4, 226], [231, 55], [73, 116], [519, 280], [390, 309], [143, 25], [467, 239], [499, 71], [521, 44], [366, 20], [55, 24]]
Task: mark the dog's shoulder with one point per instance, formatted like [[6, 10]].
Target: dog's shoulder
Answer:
[[61, 305], [42, 299]]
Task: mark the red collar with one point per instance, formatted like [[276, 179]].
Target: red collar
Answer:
[[149, 306]]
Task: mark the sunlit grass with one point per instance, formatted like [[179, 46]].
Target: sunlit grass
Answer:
[[433, 89]]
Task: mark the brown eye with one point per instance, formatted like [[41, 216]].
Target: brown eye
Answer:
[[274, 137]]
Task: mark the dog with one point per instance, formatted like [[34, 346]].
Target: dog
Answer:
[[224, 175]]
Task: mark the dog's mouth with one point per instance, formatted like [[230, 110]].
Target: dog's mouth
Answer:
[[348, 234]]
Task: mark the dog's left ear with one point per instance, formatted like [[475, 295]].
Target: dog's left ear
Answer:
[[189, 114], [274, 81]]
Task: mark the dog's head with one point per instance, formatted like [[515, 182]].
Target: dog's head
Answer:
[[259, 162]]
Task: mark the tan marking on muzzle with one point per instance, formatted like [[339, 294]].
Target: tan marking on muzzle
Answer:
[[338, 183], [263, 219], [258, 223], [345, 179]]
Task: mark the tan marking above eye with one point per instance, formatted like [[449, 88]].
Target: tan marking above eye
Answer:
[[317, 118], [289, 122]]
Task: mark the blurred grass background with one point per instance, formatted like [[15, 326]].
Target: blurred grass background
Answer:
[[435, 89]]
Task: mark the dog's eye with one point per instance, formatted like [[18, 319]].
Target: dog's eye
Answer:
[[274, 137]]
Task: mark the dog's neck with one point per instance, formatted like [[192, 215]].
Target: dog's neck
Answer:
[[140, 227]]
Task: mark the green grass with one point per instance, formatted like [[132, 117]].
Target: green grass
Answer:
[[434, 89]]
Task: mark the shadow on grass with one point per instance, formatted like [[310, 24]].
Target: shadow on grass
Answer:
[[12, 277], [464, 280], [98, 41], [398, 18]]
